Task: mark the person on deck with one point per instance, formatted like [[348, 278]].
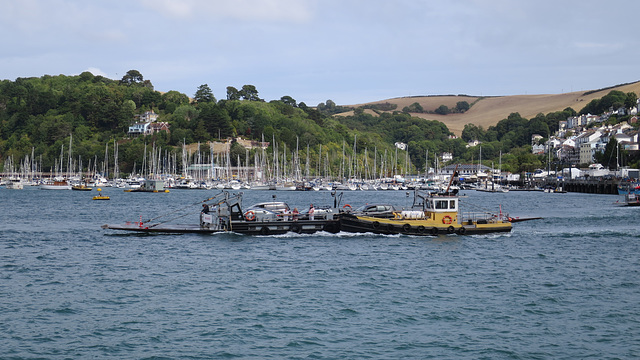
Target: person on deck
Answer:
[[205, 208], [311, 211]]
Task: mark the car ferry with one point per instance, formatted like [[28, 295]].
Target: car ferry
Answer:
[[224, 213]]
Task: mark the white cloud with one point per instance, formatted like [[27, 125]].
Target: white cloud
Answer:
[[268, 10], [96, 72], [171, 8]]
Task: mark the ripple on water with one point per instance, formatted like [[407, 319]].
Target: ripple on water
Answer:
[[562, 287]]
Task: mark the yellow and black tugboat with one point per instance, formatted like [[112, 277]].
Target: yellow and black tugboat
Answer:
[[431, 215]]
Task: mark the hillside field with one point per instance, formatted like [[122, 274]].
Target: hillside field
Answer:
[[488, 111]]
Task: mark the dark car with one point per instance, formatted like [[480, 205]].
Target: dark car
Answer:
[[376, 210]]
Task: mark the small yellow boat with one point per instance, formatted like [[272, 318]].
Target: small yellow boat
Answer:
[[100, 196]]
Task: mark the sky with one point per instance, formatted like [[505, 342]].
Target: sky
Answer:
[[348, 51]]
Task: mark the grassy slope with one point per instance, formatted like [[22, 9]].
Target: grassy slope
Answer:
[[488, 111]]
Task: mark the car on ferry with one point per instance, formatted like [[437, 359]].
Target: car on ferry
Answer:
[[267, 211], [375, 210], [277, 207]]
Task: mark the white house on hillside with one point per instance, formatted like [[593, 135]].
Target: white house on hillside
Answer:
[[146, 124]]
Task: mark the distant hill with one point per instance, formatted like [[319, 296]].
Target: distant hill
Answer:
[[489, 111]]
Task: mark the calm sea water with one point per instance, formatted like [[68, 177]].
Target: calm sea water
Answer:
[[565, 287]]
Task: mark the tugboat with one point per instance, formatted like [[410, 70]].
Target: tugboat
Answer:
[[431, 215], [224, 213]]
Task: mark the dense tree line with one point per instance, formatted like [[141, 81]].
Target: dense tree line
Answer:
[[461, 107], [39, 115], [42, 113], [612, 101]]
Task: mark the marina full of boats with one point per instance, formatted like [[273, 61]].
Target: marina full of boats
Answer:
[[398, 183], [431, 214], [159, 173]]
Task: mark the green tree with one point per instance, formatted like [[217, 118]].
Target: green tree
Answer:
[[462, 106], [171, 100], [204, 94], [132, 77], [602, 105], [249, 92], [233, 93], [472, 132], [442, 110], [216, 120], [236, 151], [631, 101], [413, 108], [200, 132], [289, 101]]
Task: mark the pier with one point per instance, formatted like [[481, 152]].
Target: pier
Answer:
[[590, 186]]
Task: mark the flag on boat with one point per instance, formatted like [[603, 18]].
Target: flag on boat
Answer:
[[401, 146]]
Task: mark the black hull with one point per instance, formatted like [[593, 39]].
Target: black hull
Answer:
[[353, 224], [161, 228], [238, 226], [283, 227]]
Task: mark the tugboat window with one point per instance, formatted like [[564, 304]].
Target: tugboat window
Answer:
[[452, 204], [441, 204]]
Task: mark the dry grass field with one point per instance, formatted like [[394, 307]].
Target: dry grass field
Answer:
[[489, 110]]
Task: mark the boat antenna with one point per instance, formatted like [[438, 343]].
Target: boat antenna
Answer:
[[337, 198], [451, 179]]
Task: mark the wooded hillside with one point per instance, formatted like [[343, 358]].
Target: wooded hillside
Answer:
[[40, 116]]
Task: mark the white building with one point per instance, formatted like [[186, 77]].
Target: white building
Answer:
[[466, 170], [139, 129], [142, 125]]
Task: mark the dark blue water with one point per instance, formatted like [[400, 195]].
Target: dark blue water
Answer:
[[565, 287]]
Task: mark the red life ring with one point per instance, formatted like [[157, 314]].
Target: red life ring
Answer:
[[447, 220], [347, 206], [250, 215]]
